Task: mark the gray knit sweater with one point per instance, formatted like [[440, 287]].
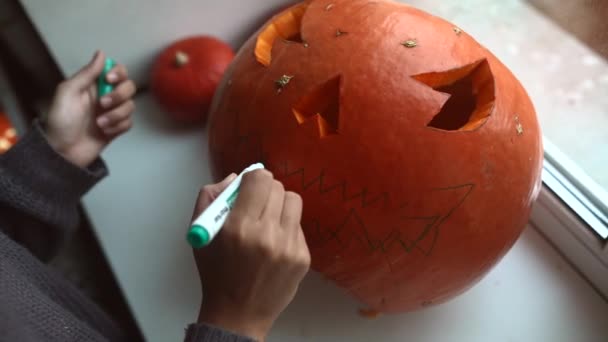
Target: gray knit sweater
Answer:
[[39, 196]]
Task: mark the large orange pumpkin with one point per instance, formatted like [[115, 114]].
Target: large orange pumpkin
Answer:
[[186, 74], [417, 153]]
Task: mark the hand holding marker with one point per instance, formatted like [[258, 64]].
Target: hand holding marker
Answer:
[[209, 223]]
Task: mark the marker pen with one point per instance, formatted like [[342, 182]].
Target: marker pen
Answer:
[[103, 87], [209, 223]]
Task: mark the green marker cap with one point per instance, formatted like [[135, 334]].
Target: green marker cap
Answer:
[[103, 87], [198, 237]]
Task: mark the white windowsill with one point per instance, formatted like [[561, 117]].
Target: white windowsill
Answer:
[[532, 295]]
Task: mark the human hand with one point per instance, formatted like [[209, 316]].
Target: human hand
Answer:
[[252, 269], [79, 125]]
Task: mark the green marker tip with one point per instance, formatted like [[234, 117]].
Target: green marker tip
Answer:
[[198, 237]]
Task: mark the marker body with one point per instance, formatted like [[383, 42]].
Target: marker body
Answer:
[[208, 224]]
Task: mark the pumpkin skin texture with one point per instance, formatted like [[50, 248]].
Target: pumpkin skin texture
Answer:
[[416, 151], [185, 76], [8, 134]]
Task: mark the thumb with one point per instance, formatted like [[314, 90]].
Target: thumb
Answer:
[[88, 74], [209, 193]]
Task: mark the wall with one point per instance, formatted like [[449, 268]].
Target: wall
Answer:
[[586, 19], [134, 31]]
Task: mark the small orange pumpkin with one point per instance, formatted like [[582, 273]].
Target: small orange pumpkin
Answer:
[[416, 151], [186, 74], [8, 134]]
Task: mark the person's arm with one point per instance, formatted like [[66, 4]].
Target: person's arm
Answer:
[[40, 193], [252, 269], [202, 332], [44, 175]]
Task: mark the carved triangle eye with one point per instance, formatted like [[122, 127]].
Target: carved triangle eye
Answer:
[[322, 103], [471, 90]]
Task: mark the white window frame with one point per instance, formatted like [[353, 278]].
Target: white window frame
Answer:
[[571, 213]]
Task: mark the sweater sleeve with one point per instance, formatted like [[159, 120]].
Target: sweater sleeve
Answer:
[[208, 333], [40, 192]]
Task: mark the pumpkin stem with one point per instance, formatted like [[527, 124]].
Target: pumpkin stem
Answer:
[[181, 58]]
